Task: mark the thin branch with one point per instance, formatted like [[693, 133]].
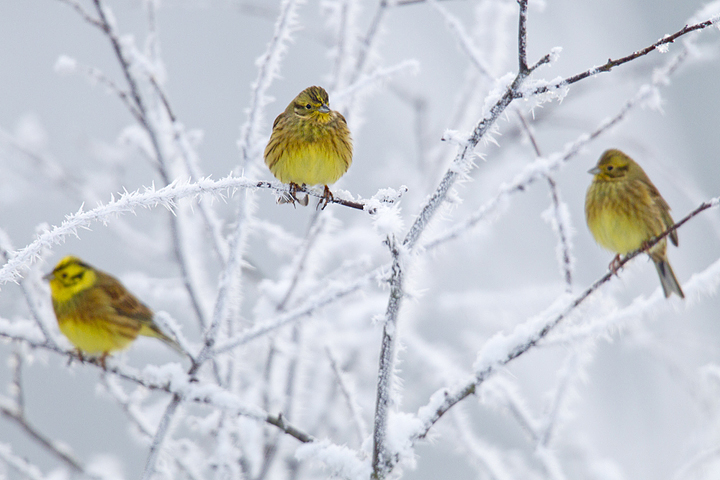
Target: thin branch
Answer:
[[536, 170], [150, 198], [16, 363], [212, 223], [610, 64], [159, 437], [268, 70], [327, 297], [20, 465], [83, 13], [532, 340], [522, 37], [29, 294], [142, 117], [61, 454], [359, 423], [559, 225], [316, 226], [279, 422], [367, 41], [125, 97], [466, 43], [382, 461], [196, 392]]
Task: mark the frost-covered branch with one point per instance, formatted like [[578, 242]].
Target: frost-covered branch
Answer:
[[466, 43], [170, 379], [127, 202], [150, 198], [331, 295], [66, 65], [610, 64], [268, 70], [16, 415], [348, 395], [463, 159], [559, 217], [159, 437], [107, 25], [540, 168], [20, 465], [82, 12], [503, 349], [367, 42], [382, 462], [31, 299], [189, 155]]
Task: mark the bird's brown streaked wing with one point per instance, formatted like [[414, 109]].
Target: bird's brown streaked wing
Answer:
[[663, 206], [123, 301]]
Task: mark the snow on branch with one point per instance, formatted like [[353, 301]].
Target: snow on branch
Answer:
[[502, 349], [610, 64], [382, 455], [540, 168], [127, 202], [268, 69], [327, 297], [466, 43]]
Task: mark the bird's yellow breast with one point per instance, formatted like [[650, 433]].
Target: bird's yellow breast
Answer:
[[91, 323], [314, 163], [617, 233], [620, 216], [309, 151], [94, 336]]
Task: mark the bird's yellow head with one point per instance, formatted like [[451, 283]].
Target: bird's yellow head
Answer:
[[70, 277], [312, 103], [614, 165]]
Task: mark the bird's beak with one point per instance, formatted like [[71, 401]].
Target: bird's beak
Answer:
[[594, 170], [49, 276], [324, 109]]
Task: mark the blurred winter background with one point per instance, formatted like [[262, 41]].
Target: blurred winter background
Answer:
[[626, 388]]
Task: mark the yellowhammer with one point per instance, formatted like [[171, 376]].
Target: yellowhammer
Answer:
[[95, 311], [310, 144], [624, 210]]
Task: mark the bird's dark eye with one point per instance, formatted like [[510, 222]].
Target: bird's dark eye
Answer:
[[63, 275], [308, 106], [610, 167]]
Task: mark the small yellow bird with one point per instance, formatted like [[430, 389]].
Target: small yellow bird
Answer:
[[96, 312], [309, 145], [624, 210]]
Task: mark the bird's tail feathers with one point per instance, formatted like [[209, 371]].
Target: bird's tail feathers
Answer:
[[155, 332], [668, 280]]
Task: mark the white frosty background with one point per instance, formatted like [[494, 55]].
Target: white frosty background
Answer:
[[625, 387]]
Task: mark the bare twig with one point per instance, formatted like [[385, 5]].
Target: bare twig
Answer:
[[279, 422]]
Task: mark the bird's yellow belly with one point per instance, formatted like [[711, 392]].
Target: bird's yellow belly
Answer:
[[618, 233], [93, 337], [311, 164]]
